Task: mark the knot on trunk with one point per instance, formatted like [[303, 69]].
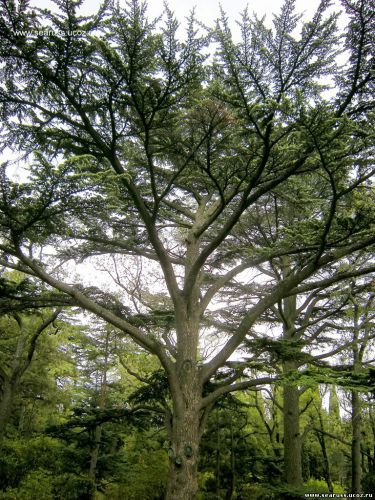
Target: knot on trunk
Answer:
[[187, 365]]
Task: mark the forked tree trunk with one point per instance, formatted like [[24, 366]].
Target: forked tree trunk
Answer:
[[186, 391]]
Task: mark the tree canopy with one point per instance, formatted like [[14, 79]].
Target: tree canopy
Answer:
[[237, 174]]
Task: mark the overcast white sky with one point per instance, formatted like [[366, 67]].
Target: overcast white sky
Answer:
[[207, 10]]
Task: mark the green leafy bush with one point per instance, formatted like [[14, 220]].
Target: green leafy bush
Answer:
[[256, 492], [37, 485], [320, 486], [368, 483]]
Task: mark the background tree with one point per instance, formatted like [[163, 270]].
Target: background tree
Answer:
[[362, 328], [20, 332]]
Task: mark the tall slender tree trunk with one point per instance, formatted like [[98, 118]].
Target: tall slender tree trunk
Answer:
[[356, 418], [292, 438], [98, 430], [322, 442], [356, 443], [97, 435], [372, 425], [217, 471], [6, 406], [231, 487]]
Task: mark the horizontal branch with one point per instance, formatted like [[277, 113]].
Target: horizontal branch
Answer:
[[88, 304], [239, 386]]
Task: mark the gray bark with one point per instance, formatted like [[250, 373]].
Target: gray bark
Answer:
[[292, 437], [291, 397], [356, 443], [182, 479]]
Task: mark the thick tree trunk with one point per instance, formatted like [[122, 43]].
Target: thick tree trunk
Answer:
[[182, 478], [291, 396], [186, 389], [185, 383], [292, 438], [356, 443]]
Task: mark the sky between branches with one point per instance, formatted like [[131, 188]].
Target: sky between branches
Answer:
[[207, 10]]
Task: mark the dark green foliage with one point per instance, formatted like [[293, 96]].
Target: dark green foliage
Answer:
[[31, 468], [219, 189], [18, 293], [155, 391], [368, 482]]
